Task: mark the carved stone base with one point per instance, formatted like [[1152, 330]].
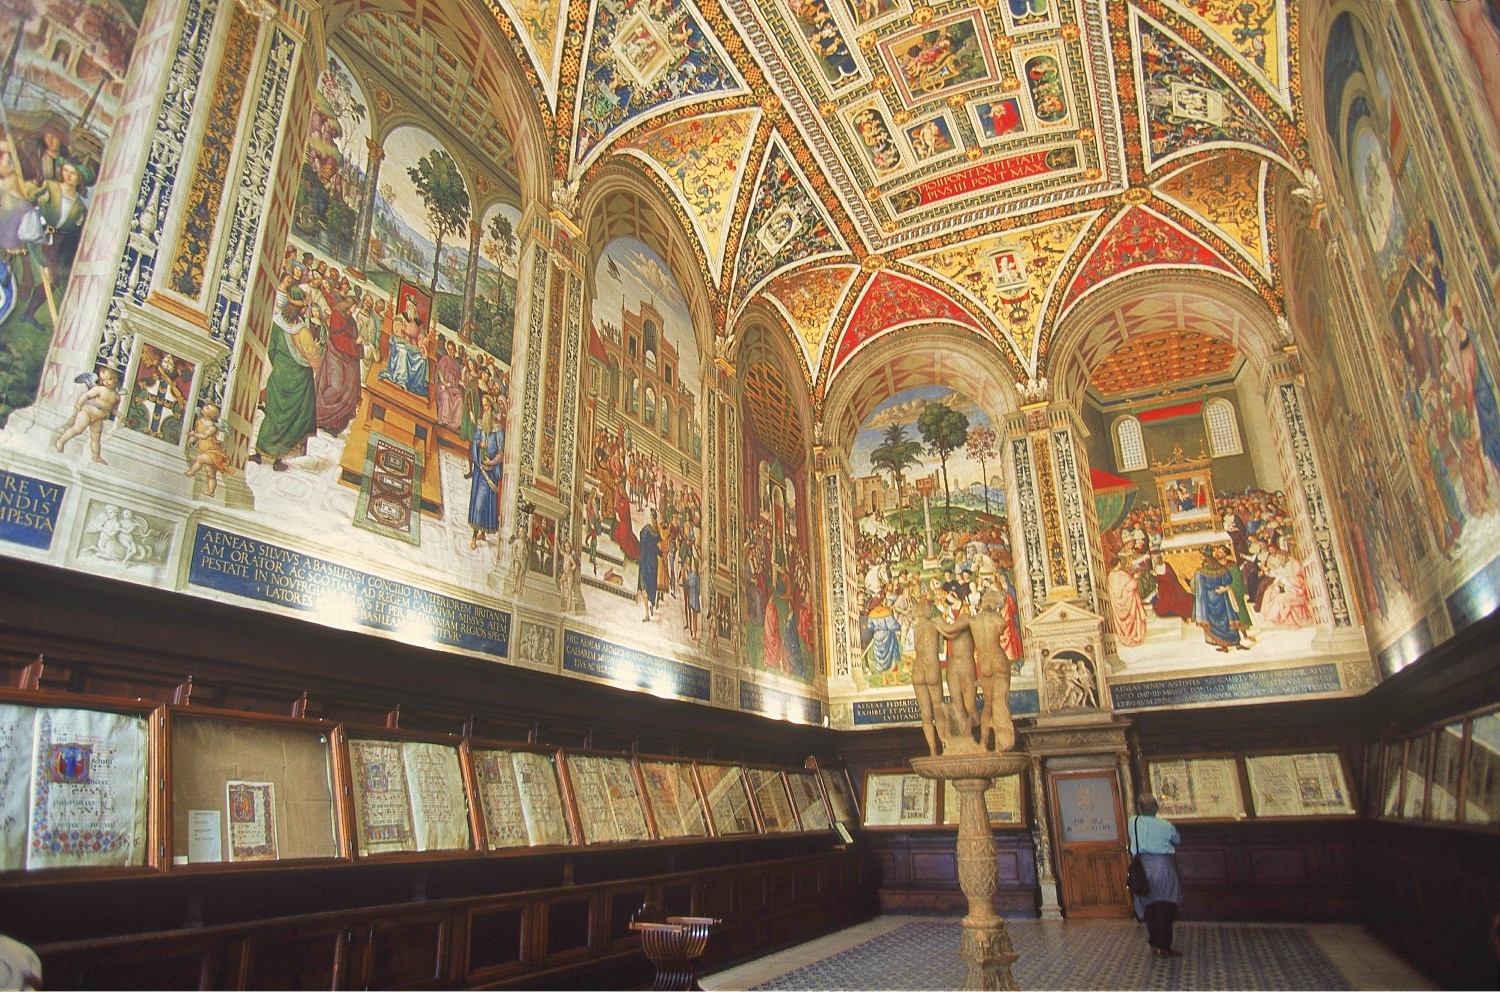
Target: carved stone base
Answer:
[[987, 955]]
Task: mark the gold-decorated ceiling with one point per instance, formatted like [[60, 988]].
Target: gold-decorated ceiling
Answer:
[[858, 165]]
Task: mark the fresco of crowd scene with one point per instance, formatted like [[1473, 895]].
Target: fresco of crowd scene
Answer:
[[1255, 579], [974, 574], [665, 547], [778, 602]]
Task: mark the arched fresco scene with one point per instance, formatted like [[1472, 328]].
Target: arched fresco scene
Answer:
[[699, 348]]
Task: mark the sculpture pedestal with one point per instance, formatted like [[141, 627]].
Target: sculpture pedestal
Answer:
[[985, 947]]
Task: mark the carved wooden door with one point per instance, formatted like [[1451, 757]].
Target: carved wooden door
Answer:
[[1092, 852]]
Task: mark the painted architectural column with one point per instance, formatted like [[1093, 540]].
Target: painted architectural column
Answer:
[[1054, 532], [128, 207], [1323, 562], [1041, 842], [366, 225], [840, 581]]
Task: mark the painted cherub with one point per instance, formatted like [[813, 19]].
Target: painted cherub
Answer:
[[211, 459], [98, 403]]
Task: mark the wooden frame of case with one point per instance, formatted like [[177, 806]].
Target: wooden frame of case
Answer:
[[786, 794], [651, 812], [713, 817], [340, 786], [1241, 782], [810, 772], [851, 795], [575, 810], [933, 823], [397, 736], [1021, 823], [1345, 774], [476, 805], [155, 845], [1404, 746]]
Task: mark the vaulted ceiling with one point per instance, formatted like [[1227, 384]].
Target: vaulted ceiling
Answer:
[[859, 166]]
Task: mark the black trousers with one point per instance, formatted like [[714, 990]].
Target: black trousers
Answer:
[[1159, 919]]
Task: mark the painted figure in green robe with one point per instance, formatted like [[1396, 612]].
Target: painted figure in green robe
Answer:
[[290, 397]]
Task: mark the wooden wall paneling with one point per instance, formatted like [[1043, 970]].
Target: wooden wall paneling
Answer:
[[497, 940], [301, 957], [409, 953]]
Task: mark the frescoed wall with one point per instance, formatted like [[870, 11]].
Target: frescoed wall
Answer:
[[1430, 365], [932, 528], [1203, 566], [642, 486], [779, 587], [60, 88]]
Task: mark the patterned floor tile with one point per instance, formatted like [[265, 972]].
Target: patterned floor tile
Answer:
[[1083, 955]]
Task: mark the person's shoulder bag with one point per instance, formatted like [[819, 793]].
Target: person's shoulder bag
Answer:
[[1135, 879]]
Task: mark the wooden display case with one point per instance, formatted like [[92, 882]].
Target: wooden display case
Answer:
[[520, 801], [409, 794], [773, 801], [726, 793], [899, 799], [807, 796], [1299, 784], [1206, 788], [265, 788], [674, 799], [605, 797], [838, 791], [75, 785]]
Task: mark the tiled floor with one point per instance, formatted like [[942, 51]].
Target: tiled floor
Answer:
[[920, 952]]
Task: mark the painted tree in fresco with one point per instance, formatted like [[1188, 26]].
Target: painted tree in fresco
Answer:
[[981, 448], [442, 189], [945, 430], [895, 454], [500, 247]]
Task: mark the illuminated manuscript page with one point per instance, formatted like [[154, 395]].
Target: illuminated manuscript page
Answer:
[[625, 800], [88, 798], [809, 801], [439, 808], [17, 727], [541, 802], [382, 805], [775, 808], [669, 787], [918, 800], [727, 799], [252, 820], [504, 821], [883, 800], [1202, 788], [1297, 785], [838, 794], [591, 793]]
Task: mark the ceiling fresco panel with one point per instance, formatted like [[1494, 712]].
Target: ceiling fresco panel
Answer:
[[642, 60], [703, 161], [1255, 34], [1010, 276], [1227, 193], [540, 24], [1140, 240], [1187, 104], [891, 301], [808, 299], [944, 117], [785, 223]]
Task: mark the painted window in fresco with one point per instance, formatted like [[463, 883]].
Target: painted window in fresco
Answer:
[[929, 504], [778, 579], [61, 80], [336, 182], [642, 556]]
